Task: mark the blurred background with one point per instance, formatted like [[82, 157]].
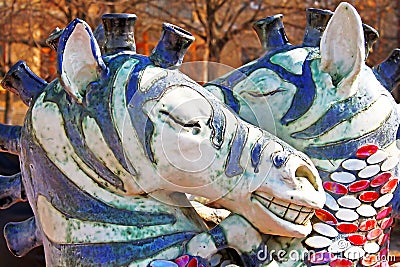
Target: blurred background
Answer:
[[223, 31]]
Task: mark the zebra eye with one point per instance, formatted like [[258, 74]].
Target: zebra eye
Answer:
[[279, 159]]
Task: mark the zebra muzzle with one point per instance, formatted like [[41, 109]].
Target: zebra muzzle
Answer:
[[283, 209]]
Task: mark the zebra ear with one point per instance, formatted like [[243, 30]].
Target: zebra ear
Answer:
[[79, 59], [342, 48]]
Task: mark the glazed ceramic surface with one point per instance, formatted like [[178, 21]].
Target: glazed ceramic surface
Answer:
[[109, 150], [321, 98]]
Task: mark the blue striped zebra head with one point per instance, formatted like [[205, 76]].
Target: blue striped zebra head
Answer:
[[321, 98], [121, 127], [176, 136]]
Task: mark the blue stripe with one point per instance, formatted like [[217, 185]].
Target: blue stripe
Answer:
[[98, 106], [142, 123], [229, 98], [256, 151], [218, 124], [118, 253], [135, 100], [382, 137], [132, 88], [218, 236], [303, 98], [233, 166], [73, 202], [337, 113]]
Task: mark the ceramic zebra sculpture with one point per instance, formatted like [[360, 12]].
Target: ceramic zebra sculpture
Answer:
[[321, 98], [108, 150]]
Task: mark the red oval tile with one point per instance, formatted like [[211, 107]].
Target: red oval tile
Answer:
[[335, 188], [193, 263], [375, 233], [341, 263], [358, 186], [347, 227], [384, 213], [386, 223], [382, 239], [357, 240], [182, 260], [368, 196], [381, 179], [389, 186], [369, 260], [321, 257], [367, 225], [366, 151], [326, 217]]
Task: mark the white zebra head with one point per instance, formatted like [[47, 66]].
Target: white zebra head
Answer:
[[323, 100], [177, 137]]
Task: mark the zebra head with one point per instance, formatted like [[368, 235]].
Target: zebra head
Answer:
[[320, 96], [177, 137]]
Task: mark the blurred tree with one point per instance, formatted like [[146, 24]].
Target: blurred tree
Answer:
[[217, 22]]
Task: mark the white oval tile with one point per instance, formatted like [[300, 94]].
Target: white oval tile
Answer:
[[366, 210], [326, 230], [383, 200], [347, 215], [371, 247], [377, 157], [349, 202], [318, 241], [369, 171], [343, 177], [354, 164], [215, 259], [331, 202], [389, 164]]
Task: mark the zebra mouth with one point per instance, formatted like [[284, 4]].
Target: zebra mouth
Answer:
[[285, 210]]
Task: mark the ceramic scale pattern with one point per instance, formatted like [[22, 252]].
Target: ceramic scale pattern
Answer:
[[354, 226]]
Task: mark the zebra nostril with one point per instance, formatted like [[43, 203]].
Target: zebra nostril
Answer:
[[279, 159], [305, 172]]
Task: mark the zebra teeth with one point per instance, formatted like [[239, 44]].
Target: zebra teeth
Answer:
[[284, 209]]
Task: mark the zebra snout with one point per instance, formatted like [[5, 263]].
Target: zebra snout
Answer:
[[305, 172]]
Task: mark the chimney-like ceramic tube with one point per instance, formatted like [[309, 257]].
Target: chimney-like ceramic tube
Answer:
[[370, 36], [271, 32], [54, 38], [172, 47], [119, 32], [23, 82], [317, 19]]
